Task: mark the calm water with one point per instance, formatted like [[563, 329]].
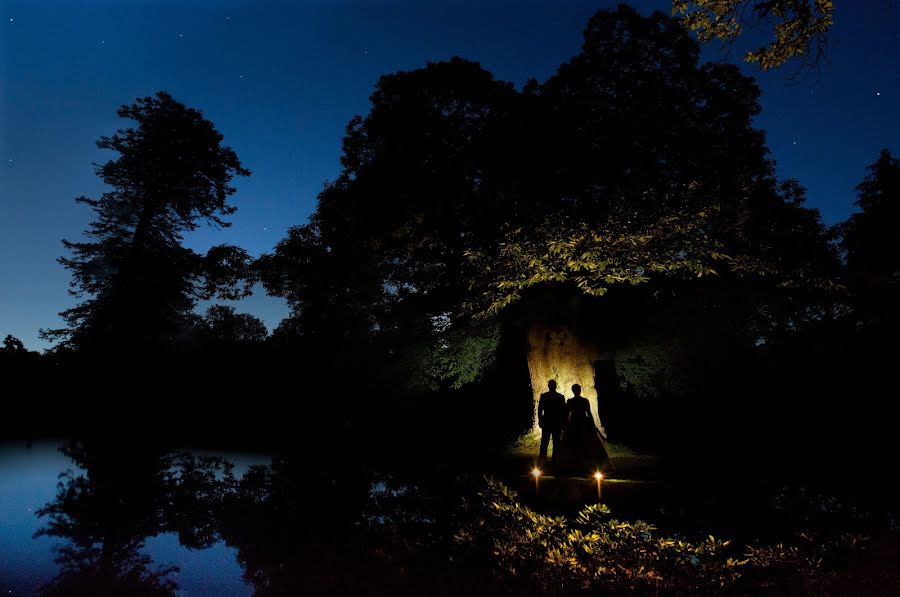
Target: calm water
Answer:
[[116, 515], [126, 518]]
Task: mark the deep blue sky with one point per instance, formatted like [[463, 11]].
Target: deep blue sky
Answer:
[[281, 79]]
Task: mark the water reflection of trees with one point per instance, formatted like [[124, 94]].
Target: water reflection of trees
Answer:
[[327, 526], [118, 496], [293, 524], [298, 525]]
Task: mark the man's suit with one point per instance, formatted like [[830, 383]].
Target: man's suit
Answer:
[[551, 419]]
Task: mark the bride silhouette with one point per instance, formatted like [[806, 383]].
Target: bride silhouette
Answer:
[[582, 448]]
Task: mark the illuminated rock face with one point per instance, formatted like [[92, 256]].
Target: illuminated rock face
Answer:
[[555, 351]]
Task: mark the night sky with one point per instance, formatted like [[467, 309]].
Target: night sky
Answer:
[[280, 80]]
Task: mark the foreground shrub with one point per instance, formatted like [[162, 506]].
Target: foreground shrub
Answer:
[[595, 552]]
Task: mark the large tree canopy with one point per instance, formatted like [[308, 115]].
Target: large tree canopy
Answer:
[[385, 249], [138, 283], [656, 171], [634, 163], [223, 327]]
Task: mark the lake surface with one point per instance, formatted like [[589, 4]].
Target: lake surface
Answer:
[[110, 517], [116, 515], [124, 517]]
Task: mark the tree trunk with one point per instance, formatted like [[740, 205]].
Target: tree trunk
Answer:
[[556, 351]]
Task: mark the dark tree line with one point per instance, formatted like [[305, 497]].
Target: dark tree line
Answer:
[[627, 199]]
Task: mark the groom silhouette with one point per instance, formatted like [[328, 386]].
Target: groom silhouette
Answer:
[[551, 418]]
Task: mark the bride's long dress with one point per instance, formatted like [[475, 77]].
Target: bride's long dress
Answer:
[[582, 451]]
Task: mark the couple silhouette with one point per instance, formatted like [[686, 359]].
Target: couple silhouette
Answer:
[[577, 442]]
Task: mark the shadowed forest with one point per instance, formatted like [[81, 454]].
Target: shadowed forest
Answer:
[[619, 225]]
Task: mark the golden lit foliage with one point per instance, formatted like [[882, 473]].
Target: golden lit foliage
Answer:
[[616, 250], [595, 258], [592, 550], [800, 27]]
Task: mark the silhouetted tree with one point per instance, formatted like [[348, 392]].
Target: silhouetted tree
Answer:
[[384, 253], [871, 241], [138, 283], [23, 373], [12, 345], [225, 327]]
